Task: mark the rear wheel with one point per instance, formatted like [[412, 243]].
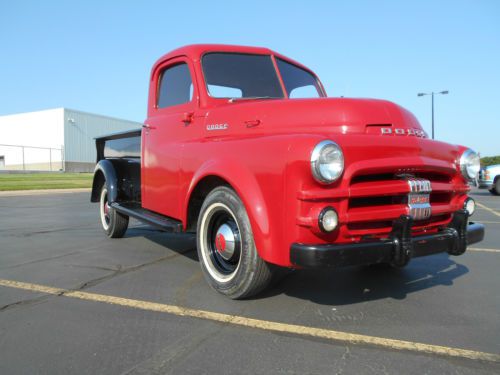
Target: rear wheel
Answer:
[[113, 223], [226, 247]]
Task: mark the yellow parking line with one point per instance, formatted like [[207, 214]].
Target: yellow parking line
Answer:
[[346, 337], [488, 222], [482, 249], [488, 209]]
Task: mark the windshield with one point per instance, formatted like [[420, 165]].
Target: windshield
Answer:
[[299, 83], [236, 75]]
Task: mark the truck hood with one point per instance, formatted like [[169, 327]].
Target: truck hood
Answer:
[[358, 125], [330, 115]]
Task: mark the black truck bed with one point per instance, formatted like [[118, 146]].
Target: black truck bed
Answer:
[[119, 145]]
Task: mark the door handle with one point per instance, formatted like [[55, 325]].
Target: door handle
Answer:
[[148, 127], [187, 117], [252, 123]]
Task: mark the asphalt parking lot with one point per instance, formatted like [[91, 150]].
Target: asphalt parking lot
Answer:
[[75, 302]]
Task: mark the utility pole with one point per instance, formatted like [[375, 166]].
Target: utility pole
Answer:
[[432, 103]]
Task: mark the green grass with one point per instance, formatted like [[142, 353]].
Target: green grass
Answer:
[[35, 181]]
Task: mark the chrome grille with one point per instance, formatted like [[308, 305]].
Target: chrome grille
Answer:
[[419, 206]]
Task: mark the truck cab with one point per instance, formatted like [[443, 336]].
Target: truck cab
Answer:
[[242, 146]]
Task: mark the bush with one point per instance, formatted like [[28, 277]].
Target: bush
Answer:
[[490, 160]]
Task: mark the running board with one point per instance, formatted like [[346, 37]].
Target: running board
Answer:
[[149, 217]]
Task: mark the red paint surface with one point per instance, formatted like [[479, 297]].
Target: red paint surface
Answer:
[[264, 154]]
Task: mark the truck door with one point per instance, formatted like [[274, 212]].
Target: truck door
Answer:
[[170, 117]]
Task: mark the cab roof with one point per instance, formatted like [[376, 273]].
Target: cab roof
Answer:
[[195, 51]]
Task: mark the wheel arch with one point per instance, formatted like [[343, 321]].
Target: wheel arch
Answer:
[[243, 182], [104, 172], [196, 197]]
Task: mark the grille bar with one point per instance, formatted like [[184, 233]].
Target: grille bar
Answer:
[[376, 200]]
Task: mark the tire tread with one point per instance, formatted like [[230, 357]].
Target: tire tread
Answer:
[[120, 225]]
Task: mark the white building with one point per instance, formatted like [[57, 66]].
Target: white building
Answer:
[[54, 139]]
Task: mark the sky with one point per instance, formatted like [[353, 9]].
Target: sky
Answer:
[[96, 56]]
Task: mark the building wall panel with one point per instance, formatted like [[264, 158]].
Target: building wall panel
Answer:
[[32, 141], [55, 139], [81, 128]]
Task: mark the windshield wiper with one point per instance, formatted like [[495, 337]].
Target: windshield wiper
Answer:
[[232, 100]]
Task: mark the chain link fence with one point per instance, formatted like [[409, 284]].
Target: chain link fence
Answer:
[[29, 158]]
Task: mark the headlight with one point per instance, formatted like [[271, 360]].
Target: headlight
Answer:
[[327, 162], [469, 164]]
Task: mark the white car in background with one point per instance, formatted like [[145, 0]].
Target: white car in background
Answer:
[[489, 178]]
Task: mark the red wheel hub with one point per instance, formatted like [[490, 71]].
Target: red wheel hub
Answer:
[[220, 243], [225, 241]]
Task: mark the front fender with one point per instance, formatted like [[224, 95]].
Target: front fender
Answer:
[[243, 181], [104, 169]]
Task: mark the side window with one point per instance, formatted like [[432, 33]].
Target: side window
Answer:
[[176, 86]]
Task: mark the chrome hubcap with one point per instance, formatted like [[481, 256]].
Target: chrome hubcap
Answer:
[[225, 241], [105, 210]]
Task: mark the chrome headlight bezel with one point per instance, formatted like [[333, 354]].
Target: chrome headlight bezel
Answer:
[[327, 173], [470, 164]]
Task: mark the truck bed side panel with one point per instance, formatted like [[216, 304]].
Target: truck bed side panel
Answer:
[[123, 150]]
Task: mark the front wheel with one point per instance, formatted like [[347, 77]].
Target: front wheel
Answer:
[[226, 247], [113, 223], [496, 187]]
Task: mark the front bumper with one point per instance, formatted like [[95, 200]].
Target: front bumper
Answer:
[[398, 249], [485, 184]]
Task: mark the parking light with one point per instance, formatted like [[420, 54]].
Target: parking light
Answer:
[[328, 219], [470, 206]]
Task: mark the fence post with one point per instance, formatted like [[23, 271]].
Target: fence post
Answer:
[[62, 159], [50, 159], [24, 165]]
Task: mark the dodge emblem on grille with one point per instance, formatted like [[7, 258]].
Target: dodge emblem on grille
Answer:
[[419, 202]]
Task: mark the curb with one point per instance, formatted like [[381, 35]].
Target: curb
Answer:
[[14, 193]]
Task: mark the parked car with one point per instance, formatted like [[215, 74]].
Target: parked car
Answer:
[[242, 146], [489, 178]]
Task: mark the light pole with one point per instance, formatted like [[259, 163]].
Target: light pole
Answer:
[[432, 101]]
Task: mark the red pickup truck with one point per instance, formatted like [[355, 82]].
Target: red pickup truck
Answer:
[[242, 146]]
